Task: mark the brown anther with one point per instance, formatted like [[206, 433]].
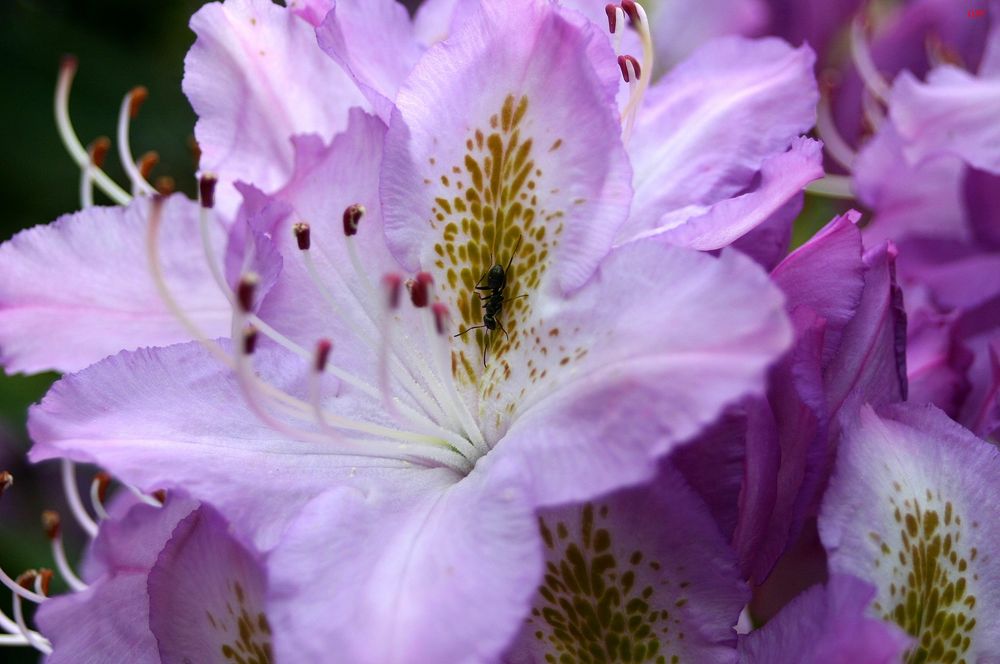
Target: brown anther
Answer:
[[103, 481], [27, 579], [441, 316], [206, 190], [69, 62], [45, 578], [323, 349], [612, 11], [6, 481], [147, 163], [194, 149], [420, 289], [98, 150], [829, 80], [139, 95], [160, 495], [303, 235], [623, 63], [51, 523], [250, 340], [164, 185], [352, 219], [246, 290], [393, 284], [631, 10]]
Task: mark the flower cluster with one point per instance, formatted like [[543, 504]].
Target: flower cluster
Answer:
[[483, 342]]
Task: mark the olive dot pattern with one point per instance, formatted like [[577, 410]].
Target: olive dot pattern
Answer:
[[245, 636], [490, 204], [933, 577], [592, 607]]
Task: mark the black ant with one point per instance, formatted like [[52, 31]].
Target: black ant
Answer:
[[496, 282]]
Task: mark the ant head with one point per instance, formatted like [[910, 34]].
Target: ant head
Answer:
[[496, 274]]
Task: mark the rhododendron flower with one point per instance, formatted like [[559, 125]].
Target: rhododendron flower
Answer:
[[910, 508], [390, 413]]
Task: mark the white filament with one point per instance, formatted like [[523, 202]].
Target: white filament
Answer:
[[62, 564], [73, 498], [139, 183]]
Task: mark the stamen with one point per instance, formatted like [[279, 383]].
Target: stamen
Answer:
[[37, 641], [97, 151], [67, 71], [98, 493], [352, 219], [420, 290], [641, 74], [206, 196], [616, 25], [156, 499], [129, 111], [826, 127], [862, 56], [73, 498], [245, 291], [6, 482], [250, 340], [873, 114], [147, 163], [51, 526], [164, 185]]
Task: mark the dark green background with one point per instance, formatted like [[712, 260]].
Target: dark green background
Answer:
[[119, 44]]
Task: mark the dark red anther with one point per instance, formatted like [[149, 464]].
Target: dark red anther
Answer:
[[352, 219], [246, 290], [206, 187], [302, 235], [103, 481], [612, 11], [441, 317], [51, 524], [98, 151], [323, 349], [630, 8], [147, 163], [45, 577], [160, 495], [250, 340], [6, 481], [393, 284], [420, 290], [623, 63], [139, 95], [69, 62]]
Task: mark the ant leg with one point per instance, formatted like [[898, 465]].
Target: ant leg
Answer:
[[504, 330], [511, 299], [514, 253], [469, 330]]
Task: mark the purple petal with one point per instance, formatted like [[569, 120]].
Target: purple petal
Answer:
[[256, 77], [206, 595], [506, 121], [910, 509], [826, 625], [434, 571], [113, 414], [936, 363], [62, 306], [707, 127], [641, 575], [768, 243], [783, 178], [374, 41]]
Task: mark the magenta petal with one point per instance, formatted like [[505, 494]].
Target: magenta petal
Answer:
[[826, 625], [206, 595], [64, 303]]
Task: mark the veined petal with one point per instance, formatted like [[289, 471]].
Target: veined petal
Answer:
[[954, 112], [256, 77], [826, 625], [206, 595], [707, 126], [374, 41], [642, 575], [783, 177], [421, 574], [113, 414], [505, 134], [64, 303], [701, 333], [911, 509]]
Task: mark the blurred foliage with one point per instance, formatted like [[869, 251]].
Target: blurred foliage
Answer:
[[119, 44]]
